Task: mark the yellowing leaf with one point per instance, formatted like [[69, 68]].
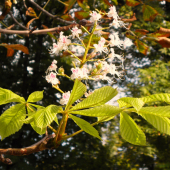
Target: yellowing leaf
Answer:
[[83, 4], [81, 14], [149, 13], [70, 4], [30, 12], [67, 17], [132, 3], [142, 47]]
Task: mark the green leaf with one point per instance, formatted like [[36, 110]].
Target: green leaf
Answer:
[[162, 97], [28, 120], [160, 123], [137, 103], [105, 119], [35, 96], [78, 90], [149, 13], [86, 126], [45, 116], [130, 131], [97, 98], [11, 120], [100, 111], [163, 111], [40, 131], [7, 96]]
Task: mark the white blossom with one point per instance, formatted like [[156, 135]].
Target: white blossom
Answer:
[[75, 32], [112, 12], [95, 16], [65, 98]]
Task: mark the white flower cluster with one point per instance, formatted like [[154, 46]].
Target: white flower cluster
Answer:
[[100, 69]]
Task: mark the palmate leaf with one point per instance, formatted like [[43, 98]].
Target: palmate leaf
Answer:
[[130, 131], [160, 123], [157, 116], [11, 120], [40, 131], [44, 117], [99, 97], [162, 97], [100, 111], [137, 103], [78, 90], [7, 96], [86, 126], [35, 96], [163, 111], [30, 119]]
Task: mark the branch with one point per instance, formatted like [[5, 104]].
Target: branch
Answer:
[[46, 143], [49, 14], [17, 21]]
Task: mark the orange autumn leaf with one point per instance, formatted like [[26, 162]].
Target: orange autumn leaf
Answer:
[[6, 9], [164, 42], [30, 12], [12, 47]]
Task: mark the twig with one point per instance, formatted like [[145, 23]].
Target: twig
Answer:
[[17, 21], [49, 14]]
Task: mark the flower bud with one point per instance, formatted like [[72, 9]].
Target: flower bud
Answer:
[[61, 70], [99, 66]]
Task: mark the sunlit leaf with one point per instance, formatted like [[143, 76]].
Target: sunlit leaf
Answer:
[[11, 120], [149, 13], [86, 126], [97, 98], [160, 123], [137, 103], [35, 96], [7, 96], [162, 97], [130, 131], [100, 111], [44, 117], [78, 90], [163, 111]]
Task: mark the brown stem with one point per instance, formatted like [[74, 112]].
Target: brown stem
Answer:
[[17, 21], [42, 31], [49, 14], [46, 143]]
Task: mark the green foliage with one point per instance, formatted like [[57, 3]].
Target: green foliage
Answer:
[[84, 125], [78, 90], [130, 131], [7, 96], [99, 111], [11, 120], [35, 96], [46, 116], [97, 98]]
